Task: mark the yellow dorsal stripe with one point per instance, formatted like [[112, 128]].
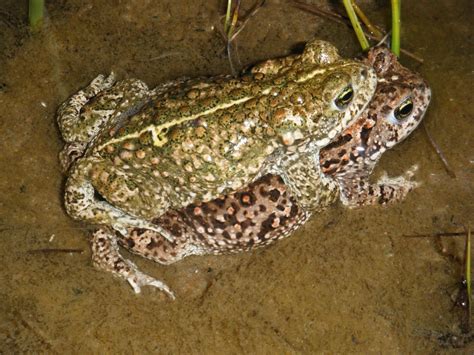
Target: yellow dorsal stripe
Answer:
[[156, 130]]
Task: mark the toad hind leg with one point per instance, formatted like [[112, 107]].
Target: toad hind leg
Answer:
[[106, 256], [82, 203]]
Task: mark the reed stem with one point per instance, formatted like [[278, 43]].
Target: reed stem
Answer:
[[36, 13], [356, 25], [396, 7]]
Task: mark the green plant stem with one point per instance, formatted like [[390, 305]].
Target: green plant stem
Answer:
[[235, 17], [356, 25], [35, 13], [396, 7], [227, 16]]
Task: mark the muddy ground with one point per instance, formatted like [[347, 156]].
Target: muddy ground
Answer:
[[347, 282]]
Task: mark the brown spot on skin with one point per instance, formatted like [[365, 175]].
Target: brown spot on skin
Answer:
[[330, 171], [284, 220], [266, 226], [262, 208], [342, 153], [330, 162], [218, 224], [294, 211], [205, 208], [219, 202], [246, 224], [278, 116], [153, 244], [176, 230], [338, 143], [274, 195], [364, 135], [263, 191], [230, 218], [130, 243], [235, 206]]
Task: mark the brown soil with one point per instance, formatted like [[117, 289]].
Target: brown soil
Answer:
[[346, 282]]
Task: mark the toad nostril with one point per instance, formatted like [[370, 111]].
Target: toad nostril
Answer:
[[363, 73]]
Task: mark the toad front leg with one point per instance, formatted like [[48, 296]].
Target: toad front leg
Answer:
[[104, 102], [302, 175], [356, 190]]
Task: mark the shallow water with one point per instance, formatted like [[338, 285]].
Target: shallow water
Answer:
[[348, 281]]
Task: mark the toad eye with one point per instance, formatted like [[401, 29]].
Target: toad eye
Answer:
[[345, 97], [404, 110]]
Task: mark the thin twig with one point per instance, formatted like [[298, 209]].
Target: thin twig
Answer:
[[371, 27], [252, 13], [234, 28], [34, 329], [467, 277], [55, 250], [436, 235], [439, 152], [235, 17], [230, 48]]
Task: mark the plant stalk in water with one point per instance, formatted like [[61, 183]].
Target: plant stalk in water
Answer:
[[356, 25], [396, 7], [36, 13], [227, 16]]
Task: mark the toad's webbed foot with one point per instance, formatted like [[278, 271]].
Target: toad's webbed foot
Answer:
[[106, 256], [70, 110], [387, 190]]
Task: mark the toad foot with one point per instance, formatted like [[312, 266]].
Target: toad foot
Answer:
[[106, 256]]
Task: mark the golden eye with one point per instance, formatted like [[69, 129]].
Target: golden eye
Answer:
[[345, 97], [404, 110]]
